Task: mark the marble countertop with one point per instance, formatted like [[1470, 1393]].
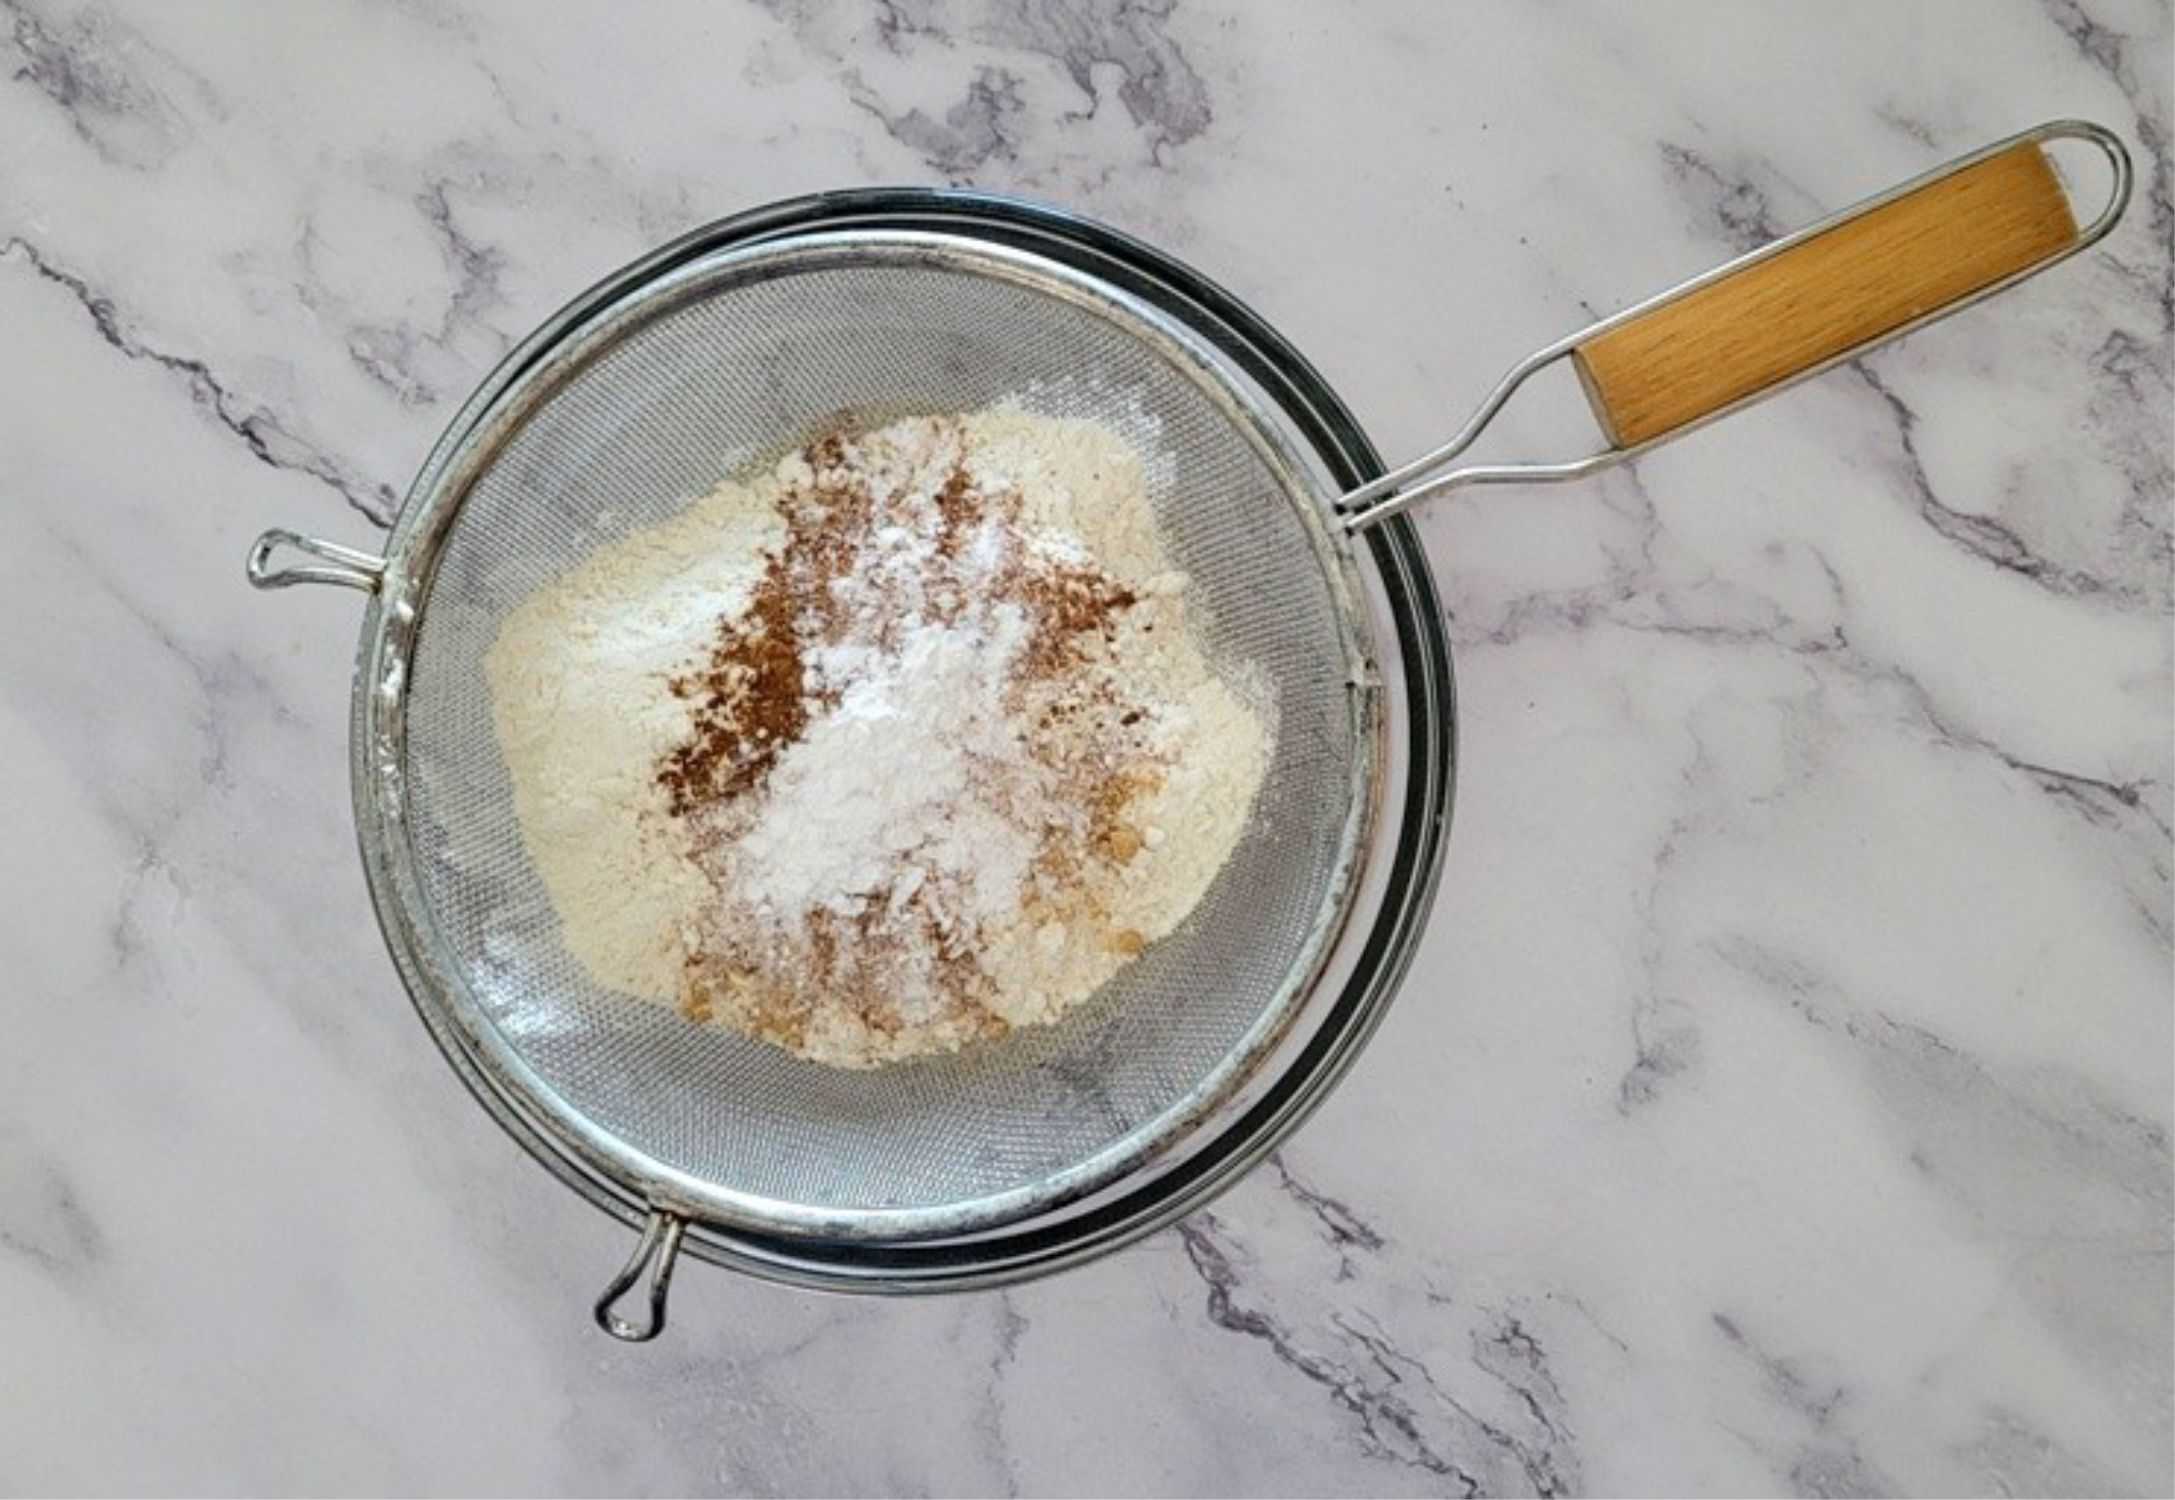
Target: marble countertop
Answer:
[[1781, 1100]]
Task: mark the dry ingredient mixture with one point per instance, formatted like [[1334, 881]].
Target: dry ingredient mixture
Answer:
[[900, 745]]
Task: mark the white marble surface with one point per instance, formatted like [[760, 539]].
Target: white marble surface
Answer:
[[1781, 1102]]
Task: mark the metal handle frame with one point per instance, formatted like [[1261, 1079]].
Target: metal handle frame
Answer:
[[1377, 501]]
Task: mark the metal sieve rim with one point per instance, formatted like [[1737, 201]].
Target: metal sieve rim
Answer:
[[379, 760], [1395, 913]]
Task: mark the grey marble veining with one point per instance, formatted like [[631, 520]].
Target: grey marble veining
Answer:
[[1780, 1103]]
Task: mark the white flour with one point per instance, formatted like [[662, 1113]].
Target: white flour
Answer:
[[891, 769], [577, 696], [899, 745]]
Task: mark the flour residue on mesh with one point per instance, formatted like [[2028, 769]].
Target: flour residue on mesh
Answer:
[[937, 760]]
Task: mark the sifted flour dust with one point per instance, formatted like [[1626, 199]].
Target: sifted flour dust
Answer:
[[902, 744]]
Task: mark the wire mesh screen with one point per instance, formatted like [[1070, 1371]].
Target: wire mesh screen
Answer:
[[727, 371]]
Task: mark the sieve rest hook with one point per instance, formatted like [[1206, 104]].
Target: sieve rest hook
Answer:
[[344, 565], [660, 1243]]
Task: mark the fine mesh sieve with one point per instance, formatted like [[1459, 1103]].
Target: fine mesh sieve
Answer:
[[1054, 1145], [727, 363], [719, 352]]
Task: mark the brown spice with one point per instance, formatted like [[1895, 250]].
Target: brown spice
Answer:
[[959, 508], [754, 694], [749, 702], [1067, 605], [696, 1002], [1108, 833]]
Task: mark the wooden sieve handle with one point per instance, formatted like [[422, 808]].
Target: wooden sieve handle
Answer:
[[1790, 309], [1771, 318]]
